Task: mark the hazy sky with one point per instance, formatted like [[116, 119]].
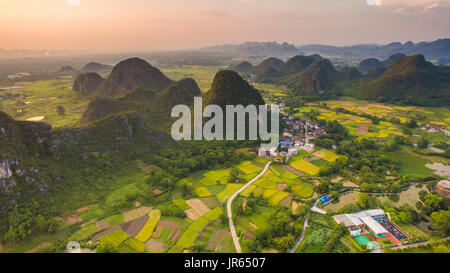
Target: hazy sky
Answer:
[[114, 25]]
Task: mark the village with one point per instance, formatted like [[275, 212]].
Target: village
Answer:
[[298, 135]]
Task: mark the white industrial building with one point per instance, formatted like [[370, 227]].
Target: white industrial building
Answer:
[[363, 219]]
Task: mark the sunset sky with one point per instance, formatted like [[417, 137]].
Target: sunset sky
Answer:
[[119, 25]]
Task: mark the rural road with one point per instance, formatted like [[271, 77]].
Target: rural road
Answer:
[[305, 225], [230, 213]]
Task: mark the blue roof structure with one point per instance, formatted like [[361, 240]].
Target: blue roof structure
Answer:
[[324, 199]]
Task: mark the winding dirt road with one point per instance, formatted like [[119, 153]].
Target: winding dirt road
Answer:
[[230, 213]]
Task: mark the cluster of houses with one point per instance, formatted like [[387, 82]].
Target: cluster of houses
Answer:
[[250, 78], [433, 128], [297, 136], [18, 75]]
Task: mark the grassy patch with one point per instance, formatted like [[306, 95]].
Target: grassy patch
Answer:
[[115, 219], [85, 232], [410, 163], [181, 203]]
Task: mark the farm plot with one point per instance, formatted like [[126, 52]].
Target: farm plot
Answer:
[[197, 205], [85, 232], [247, 167], [102, 224], [249, 190], [218, 176], [133, 227], [90, 212], [218, 236], [147, 231], [186, 240], [276, 186], [115, 238], [228, 191], [303, 190], [181, 203], [203, 75], [277, 197], [135, 213], [38, 101], [132, 245], [117, 219], [155, 246], [410, 163], [202, 191], [97, 236], [328, 155], [304, 166], [211, 202]]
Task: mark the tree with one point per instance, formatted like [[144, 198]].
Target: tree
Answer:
[[447, 152], [423, 143], [323, 186], [431, 185], [106, 248], [334, 195], [422, 194], [433, 201], [441, 221], [61, 110], [234, 176], [412, 124], [364, 201]]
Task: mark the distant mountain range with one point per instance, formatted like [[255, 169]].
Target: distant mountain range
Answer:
[[436, 50], [367, 64], [398, 79], [256, 49], [410, 80], [96, 67]]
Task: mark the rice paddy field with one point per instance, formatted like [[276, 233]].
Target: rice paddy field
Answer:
[[278, 187], [364, 128], [272, 89], [432, 115], [38, 100], [310, 163], [146, 229], [410, 163]]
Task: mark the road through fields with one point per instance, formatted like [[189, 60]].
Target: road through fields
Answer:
[[230, 213]]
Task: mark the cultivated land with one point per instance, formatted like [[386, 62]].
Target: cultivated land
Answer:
[[131, 215]]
